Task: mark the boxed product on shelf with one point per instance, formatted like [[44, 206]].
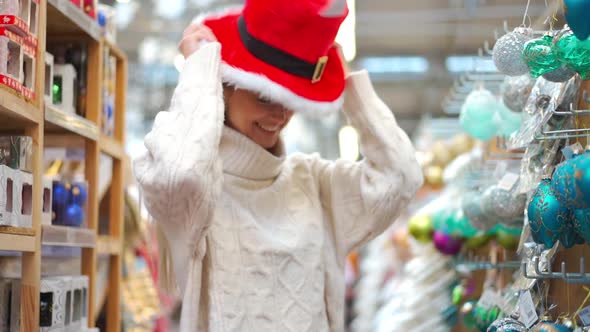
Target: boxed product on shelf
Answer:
[[11, 59], [47, 201], [48, 93], [65, 87], [17, 152], [57, 304], [7, 183], [69, 203], [89, 7], [29, 75], [23, 199], [5, 298], [79, 286], [34, 19], [15, 300], [108, 94], [16, 15]]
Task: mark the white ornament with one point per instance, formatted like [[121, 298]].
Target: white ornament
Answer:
[[508, 50]]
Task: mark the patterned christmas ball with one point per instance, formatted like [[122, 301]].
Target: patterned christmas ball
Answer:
[[507, 53], [581, 223], [568, 236], [516, 91], [508, 324], [547, 216], [564, 183], [501, 203]]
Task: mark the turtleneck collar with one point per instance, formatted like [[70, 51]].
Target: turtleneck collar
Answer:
[[244, 158]]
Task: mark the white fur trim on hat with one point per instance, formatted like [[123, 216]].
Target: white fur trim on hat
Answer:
[[277, 93]]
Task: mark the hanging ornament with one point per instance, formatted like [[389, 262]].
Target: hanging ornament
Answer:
[[508, 238], [508, 50], [507, 121], [516, 91], [478, 240], [472, 209], [547, 216], [576, 15], [421, 228], [500, 202], [460, 225], [477, 114], [564, 183], [468, 313], [581, 224], [447, 244], [582, 178], [568, 236], [539, 56], [462, 290], [508, 324], [559, 75], [575, 54]]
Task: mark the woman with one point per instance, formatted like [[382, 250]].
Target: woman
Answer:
[[259, 240]]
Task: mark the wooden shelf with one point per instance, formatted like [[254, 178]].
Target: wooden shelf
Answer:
[[65, 19], [60, 121], [106, 245], [15, 111], [64, 236], [17, 239], [111, 147], [115, 50]]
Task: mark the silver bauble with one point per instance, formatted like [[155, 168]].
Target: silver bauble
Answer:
[[472, 210], [508, 324], [502, 203], [559, 75], [508, 50], [516, 91]]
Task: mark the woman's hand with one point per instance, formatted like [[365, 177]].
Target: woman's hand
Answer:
[[193, 37]]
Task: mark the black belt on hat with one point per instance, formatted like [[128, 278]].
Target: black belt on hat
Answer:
[[280, 59]]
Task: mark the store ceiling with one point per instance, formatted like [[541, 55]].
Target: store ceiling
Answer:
[[434, 29]]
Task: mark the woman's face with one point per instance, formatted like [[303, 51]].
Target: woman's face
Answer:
[[255, 117]]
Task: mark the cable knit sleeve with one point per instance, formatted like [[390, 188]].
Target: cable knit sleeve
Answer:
[[364, 198], [180, 174]]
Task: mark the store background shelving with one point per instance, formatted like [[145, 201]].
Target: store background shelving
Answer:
[[59, 21]]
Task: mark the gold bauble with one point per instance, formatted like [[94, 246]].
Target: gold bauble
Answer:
[[442, 154], [434, 176]]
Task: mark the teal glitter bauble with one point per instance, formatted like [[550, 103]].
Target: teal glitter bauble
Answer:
[[547, 216]]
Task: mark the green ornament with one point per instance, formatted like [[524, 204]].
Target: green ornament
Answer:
[[461, 225], [479, 240], [540, 57], [574, 53], [457, 294]]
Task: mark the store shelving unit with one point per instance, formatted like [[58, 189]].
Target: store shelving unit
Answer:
[[60, 20]]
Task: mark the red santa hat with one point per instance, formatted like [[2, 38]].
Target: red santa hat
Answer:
[[284, 51]]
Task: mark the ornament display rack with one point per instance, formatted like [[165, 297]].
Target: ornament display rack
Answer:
[[60, 20]]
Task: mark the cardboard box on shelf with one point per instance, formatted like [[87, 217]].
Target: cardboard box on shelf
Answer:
[[17, 152], [64, 77], [23, 199], [47, 199], [7, 193], [55, 304], [48, 93]]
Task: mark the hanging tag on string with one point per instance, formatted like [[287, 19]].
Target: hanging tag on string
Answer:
[[528, 313]]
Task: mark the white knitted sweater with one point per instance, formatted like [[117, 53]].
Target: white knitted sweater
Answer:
[[259, 241]]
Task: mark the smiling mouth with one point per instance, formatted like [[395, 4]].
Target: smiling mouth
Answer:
[[268, 129]]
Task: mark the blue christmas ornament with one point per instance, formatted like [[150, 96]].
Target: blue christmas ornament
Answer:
[[60, 195], [568, 236], [582, 178], [74, 216], [79, 194], [564, 184], [508, 324], [581, 223], [551, 327], [507, 121], [576, 15], [547, 216]]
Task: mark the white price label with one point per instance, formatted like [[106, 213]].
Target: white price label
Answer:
[[508, 181], [578, 147], [528, 313], [487, 299], [585, 315]]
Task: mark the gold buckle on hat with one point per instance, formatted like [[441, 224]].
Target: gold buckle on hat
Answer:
[[320, 67]]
